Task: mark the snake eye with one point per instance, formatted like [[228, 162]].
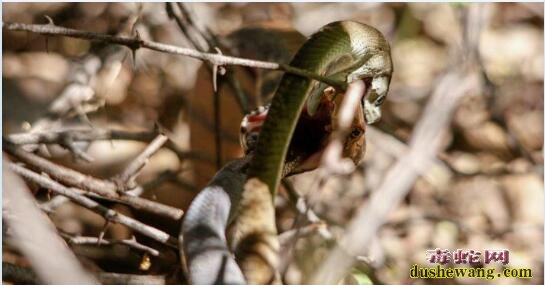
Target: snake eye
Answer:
[[380, 100]]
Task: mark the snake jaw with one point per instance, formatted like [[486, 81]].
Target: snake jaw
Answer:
[[312, 132], [371, 111], [376, 67], [374, 98]]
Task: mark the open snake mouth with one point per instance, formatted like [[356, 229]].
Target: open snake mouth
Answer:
[[315, 132], [312, 133]]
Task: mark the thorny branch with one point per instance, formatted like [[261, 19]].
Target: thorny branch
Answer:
[[186, 21], [107, 213], [135, 43]]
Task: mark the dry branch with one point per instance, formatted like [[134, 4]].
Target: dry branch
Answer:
[[132, 243], [77, 98], [135, 43], [107, 213], [128, 176], [103, 188], [89, 135], [35, 235]]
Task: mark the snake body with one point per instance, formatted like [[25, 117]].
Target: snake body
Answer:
[[344, 50]]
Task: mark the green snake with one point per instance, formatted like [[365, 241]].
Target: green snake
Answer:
[[241, 194]]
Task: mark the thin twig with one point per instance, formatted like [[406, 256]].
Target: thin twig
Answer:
[[103, 188], [132, 243], [207, 34], [78, 134], [76, 99], [35, 235], [107, 213], [183, 24], [128, 176], [89, 135], [69, 144], [289, 238], [135, 43]]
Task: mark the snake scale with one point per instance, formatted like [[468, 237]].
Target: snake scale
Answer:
[[239, 199]]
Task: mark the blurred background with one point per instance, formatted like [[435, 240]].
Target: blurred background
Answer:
[[484, 190]]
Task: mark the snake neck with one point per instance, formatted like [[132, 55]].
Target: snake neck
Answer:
[[315, 55]]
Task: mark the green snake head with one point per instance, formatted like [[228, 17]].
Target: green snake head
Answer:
[[361, 53]]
